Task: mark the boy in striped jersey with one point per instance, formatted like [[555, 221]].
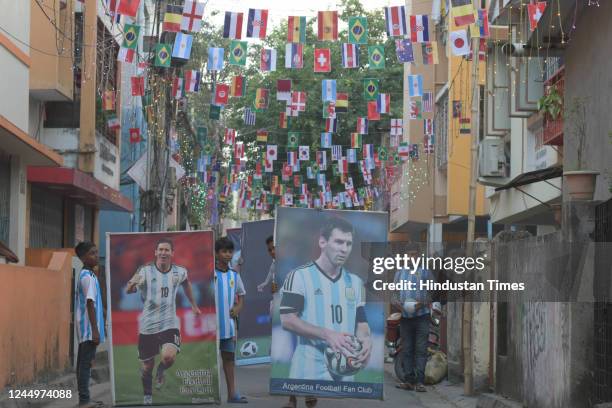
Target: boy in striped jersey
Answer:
[[89, 318], [324, 304], [230, 292], [159, 326]]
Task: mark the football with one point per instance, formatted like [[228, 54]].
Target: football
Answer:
[[248, 349], [341, 365]]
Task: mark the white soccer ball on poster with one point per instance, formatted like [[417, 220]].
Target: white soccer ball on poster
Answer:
[[410, 307], [341, 365], [248, 349]]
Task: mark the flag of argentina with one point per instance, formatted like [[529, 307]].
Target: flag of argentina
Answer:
[[328, 90], [215, 59], [182, 46], [415, 85]]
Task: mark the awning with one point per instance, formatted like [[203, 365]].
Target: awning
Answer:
[[554, 24], [80, 187], [15, 141], [533, 177]]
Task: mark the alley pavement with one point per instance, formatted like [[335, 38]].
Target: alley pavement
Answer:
[[252, 383]]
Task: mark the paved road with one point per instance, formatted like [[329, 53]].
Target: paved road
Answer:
[[253, 383]]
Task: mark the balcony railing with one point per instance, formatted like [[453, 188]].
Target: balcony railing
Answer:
[[553, 127]]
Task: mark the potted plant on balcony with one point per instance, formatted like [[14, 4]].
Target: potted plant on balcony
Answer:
[[551, 104], [579, 180]]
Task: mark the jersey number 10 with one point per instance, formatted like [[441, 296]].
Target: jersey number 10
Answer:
[[165, 291], [336, 314]]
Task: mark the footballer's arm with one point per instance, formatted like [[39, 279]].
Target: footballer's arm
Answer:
[[336, 340], [189, 293], [133, 283], [363, 334]]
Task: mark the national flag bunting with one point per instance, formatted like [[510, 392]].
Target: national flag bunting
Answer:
[[370, 89], [283, 90], [428, 126], [271, 152], [304, 153], [383, 102], [326, 140], [415, 109], [113, 122], [328, 90], [126, 55], [362, 126], [331, 125], [182, 46], [250, 117], [356, 139], [178, 90], [172, 18], [262, 98], [395, 18], [329, 109], [296, 30], [350, 56], [428, 101], [192, 80], [215, 59], [535, 12], [404, 51], [130, 36], [358, 30], [268, 60], [459, 43], [283, 121], [138, 85], [430, 53], [397, 127], [322, 60], [376, 56], [192, 16], [262, 135], [293, 140], [257, 23], [162, 55], [135, 135], [294, 56], [108, 101], [221, 94], [373, 113], [415, 85], [462, 12], [128, 7], [341, 102], [230, 136], [232, 26], [298, 101], [480, 29], [327, 22], [419, 28], [238, 86], [336, 152], [238, 53]]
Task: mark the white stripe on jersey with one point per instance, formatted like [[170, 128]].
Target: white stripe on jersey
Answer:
[[158, 291], [327, 303]]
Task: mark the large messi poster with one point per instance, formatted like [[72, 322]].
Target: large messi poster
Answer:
[[328, 339], [162, 318], [255, 324]]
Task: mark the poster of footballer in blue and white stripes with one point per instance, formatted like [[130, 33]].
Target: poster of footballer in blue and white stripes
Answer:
[[328, 339], [162, 318]]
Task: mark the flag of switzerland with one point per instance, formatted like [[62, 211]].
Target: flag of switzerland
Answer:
[[322, 60]]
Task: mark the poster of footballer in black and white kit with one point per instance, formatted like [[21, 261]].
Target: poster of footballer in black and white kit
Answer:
[[162, 318], [329, 337]]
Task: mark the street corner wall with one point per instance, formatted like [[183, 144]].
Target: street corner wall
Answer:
[[35, 320]]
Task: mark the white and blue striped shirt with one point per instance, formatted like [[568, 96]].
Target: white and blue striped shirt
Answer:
[[323, 302], [416, 295], [88, 288], [158, 292], [228, 284]]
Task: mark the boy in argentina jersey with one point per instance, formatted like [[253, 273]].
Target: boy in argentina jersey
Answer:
[[323, 304], [159, 326]]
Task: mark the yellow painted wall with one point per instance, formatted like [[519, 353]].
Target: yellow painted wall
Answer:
[[52, 70], [459, 154]]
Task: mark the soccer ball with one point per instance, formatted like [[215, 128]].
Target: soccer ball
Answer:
[[410, 307], [340, 365], [248, 349]]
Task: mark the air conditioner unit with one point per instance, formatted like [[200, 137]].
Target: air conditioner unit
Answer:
[[492, 158]]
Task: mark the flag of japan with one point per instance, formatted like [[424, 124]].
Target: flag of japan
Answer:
[[459, 43], [322, 60], [271, 152]]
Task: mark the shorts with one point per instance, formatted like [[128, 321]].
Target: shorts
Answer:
[[149, 345], [227, 345]]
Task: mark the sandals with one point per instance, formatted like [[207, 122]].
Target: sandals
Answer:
[[311, 402], [238, 399], [420, 388], [405, 386]]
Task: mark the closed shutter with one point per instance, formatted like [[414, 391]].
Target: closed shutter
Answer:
[[5, 197], [46, 219]]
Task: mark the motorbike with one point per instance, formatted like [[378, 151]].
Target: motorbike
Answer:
[[393, 341]]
